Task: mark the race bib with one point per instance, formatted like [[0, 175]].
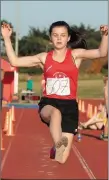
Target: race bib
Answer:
[[58, 86]]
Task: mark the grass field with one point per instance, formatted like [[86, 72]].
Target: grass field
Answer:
[[89, 86]]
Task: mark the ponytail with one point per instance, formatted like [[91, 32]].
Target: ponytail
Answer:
[[76, 40]]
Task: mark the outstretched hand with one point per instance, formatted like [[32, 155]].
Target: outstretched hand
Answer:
[[104, 30], [6, 30]]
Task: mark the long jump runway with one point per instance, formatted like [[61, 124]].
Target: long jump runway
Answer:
[[26, 155]]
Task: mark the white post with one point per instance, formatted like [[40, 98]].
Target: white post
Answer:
[[16, 77]]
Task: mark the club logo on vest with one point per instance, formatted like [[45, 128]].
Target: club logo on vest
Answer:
[[59, 84]]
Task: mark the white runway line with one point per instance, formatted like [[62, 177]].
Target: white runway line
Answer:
[[83, 163]]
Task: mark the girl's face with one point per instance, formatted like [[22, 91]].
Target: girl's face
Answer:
[[59, 37]]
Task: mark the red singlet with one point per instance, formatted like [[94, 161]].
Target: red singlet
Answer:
[[60, 78]]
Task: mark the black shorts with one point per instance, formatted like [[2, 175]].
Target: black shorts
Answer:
[[69, 112]]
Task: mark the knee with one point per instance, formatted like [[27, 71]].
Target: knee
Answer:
[[44, 115], [99, 127], [47, 114], [55, 112]]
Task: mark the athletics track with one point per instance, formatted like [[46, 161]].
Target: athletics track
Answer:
[[26, 155]]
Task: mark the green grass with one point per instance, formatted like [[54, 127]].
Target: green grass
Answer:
[[89, 86]]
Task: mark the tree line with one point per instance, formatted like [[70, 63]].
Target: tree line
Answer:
[[37, 41]]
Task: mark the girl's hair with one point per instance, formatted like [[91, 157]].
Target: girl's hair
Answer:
[[76, 39]]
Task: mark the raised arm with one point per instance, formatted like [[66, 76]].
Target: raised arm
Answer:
[[102, 51], [27, 61]]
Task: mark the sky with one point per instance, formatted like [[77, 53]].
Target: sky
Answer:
[[41, 14]]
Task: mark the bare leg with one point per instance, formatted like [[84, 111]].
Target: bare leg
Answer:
[[89, 122], [99, 125], [55, 125], [94, 127], [66, 150], [92, 122], [53, 116]]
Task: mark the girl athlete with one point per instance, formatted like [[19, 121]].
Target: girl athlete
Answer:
[[97, 121], [58, 107]]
